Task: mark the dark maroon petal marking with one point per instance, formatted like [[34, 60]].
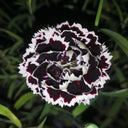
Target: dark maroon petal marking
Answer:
[[23, 64], [41, 92], [55, 71], [93, 62], [51, 46], [43, 48], [77, 72], [84, 51], [67, 97], [64, 27], [92, 75], [54, 94], [77, 52], [37, 90], [102, 63], [32, 80], [104, 74], [28, 56], [63, 58], [94, 91], [49, 56], [92, 37], [40, 40], [74, 28], [57, 45], [78, 87], [93, 47], [40, 72], [53, 83], [69, 37], [74, 57], [55, 33], [84, 40], [31, 67]]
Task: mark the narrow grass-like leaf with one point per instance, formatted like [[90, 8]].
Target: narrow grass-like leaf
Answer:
[[35, 111], [115, 107], [15, 46], [11, 89], [15, 36], [98, 13], [79, 109], [6, 112], [118, 10], [119, 39], [45, 111], [11, 34], [56, 110], [121, 77], [4, 15], [85, 5], [23, 99], [16, 19], [121, 93], [112, 112], [20, 90], [30, 6], [42, 123]]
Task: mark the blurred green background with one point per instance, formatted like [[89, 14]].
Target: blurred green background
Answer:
[[19, 20]]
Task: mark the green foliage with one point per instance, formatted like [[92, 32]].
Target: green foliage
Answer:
[[45, 111], [19, 19], [7, 113], [98, 13], [79, 109], [121, 93], [119, 39], [23, 99]]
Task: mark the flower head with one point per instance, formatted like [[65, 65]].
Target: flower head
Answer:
[[65, 64]]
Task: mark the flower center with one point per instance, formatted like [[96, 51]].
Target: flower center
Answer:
[[54, 72]]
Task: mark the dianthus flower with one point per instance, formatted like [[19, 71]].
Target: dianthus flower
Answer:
[[65, 64]]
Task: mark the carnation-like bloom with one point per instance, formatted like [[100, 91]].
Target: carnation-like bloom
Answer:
[[65, 64]]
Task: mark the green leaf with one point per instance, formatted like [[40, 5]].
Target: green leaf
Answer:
[[115, 107], [23, 99], [3, 14], [30, 6], [42, 123], [120, 76], [85, 5], [11, 34], [11, 89], [118, 10], [91, 125], [15, 46], [23, 87], [112, 112], [98, 13], [121, 93], [6, 112], [45, 111], [119, 39], [79, 109]]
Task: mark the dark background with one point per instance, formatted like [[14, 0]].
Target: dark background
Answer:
[[20, 19]]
